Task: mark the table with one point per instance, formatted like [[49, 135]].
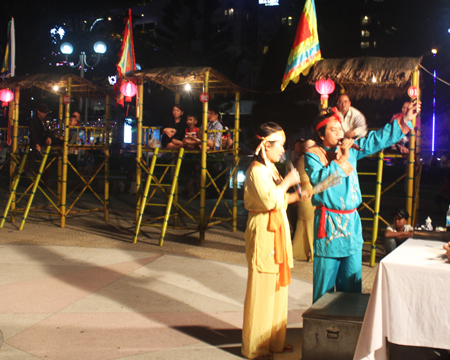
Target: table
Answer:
[[410, 301]]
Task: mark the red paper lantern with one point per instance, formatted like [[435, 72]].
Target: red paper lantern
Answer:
[[128, 89], [6, 96], [324, 88]]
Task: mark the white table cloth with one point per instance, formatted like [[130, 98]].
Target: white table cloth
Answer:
[[410, 301]]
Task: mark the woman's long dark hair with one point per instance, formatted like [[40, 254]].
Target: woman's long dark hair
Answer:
[[265, 130]]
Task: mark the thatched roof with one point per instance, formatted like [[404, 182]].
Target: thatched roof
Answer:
[[176, 78], [80, 86], [393, 76]]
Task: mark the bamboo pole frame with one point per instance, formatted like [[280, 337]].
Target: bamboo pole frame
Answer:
[[411, 155], [65, 152], [202, 226], [237, 114], [139, 118], [107, 155]]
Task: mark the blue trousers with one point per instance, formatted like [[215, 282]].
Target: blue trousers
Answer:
[[345, 273]]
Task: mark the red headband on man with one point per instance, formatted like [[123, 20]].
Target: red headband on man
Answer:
[[335, 116]]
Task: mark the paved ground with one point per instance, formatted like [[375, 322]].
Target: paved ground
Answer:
[[87, 292]]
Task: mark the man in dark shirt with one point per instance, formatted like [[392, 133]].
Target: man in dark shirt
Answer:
[[40, 134], [174, 130]]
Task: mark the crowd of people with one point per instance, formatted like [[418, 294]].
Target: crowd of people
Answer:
[[179, 132], [328, 228]]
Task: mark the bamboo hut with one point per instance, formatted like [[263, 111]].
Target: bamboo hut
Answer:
[[65, 87], [207, 83], [370, 77]]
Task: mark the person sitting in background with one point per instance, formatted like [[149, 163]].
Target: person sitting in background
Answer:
[[191, 138], [214, 139], [73, 133], [445, 159], [398, 232], [77, 115], [354, 122], [40, 135], [173, 130], [403, 145]]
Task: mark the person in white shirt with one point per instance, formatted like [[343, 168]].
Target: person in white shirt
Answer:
[[398, 232], [354, 124]]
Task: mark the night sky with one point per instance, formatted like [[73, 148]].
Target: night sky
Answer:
[[402, 27]]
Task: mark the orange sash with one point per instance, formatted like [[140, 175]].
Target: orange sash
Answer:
[[276, 224]]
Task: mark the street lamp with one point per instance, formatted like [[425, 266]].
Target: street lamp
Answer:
[[67, 49], [99, 48]]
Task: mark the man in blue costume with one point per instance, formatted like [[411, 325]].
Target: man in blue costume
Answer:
[[337, 226]]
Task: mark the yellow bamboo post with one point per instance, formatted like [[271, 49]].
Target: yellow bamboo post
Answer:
[[237, 115], [171, 196], [35, 186], [376, 214], [411, 155], [15, 183], [65, 151], [145, 195], [139, 117], [60, 125], [202, 224], [175, 218], [61, 112], [14, 121], [417, 171], [107, 140]]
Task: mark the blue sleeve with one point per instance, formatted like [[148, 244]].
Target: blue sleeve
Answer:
[[380, 139]]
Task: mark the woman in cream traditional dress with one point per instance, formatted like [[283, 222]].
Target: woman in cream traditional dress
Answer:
[[268, 247]]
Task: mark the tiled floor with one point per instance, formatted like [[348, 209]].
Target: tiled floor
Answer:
[[64, 302]]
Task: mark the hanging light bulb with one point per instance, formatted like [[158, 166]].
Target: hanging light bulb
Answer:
[[187, 87]]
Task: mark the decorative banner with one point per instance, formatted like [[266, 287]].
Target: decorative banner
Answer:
[[127, 61], [306, 49], [413, 92], [66, 99], [9, 62], [204, 97]]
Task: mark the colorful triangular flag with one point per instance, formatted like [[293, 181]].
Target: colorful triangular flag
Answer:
[[127, 61], [306, 49]]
